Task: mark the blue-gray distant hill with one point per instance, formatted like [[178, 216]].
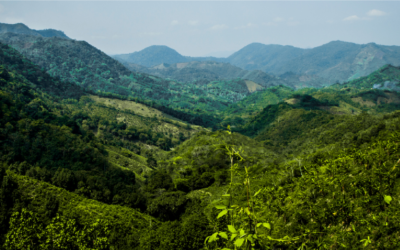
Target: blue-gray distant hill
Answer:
[[20, 28], [331, 62], [158, 54], [334, 61]]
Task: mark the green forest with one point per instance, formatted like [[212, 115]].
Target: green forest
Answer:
[[94, 156]]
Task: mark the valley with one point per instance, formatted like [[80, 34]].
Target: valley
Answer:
[[273, 147]]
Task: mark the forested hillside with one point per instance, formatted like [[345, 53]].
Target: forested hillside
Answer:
[[85, 165], [375, 93], [80, 63], [96, 148]]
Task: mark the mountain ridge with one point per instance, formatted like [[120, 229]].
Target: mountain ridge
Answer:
[[331, 62], [20, 28]]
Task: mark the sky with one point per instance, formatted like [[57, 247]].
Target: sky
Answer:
[[203, 28]]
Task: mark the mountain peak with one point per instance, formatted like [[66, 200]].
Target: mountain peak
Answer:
[[159, 49], [152, 56]]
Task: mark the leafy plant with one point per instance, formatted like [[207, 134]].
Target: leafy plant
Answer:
[[245, 230]]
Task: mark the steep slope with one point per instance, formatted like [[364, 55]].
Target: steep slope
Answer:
[[20, 28], [53, 141], [138, 125], [13, 60], [73, 61], [80, 63]]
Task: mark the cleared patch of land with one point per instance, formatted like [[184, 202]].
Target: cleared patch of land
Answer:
[[252, 86]]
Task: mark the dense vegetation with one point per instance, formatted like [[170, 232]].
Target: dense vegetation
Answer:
[[308, 168], [78, 62]]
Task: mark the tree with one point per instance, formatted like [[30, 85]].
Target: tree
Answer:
[[65, 178], [24, 232], [151, 161]]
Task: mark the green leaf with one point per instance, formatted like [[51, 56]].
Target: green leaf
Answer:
[[239, 242], [220, 207], [388, 199], [267, 225], [213, 237], [259, 224], [250, 238], [231, 229], [233, 236], [223, 235], [257, 192], [226, 195], [222, 213]]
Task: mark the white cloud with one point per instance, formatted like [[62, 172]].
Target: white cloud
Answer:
[[219, 27], [351, 18], [246, 26], [376, 13], [175, 22], [193, 22]]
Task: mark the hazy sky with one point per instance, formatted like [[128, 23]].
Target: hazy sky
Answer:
[[198, 28]]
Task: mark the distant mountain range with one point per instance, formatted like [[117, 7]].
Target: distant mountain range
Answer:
[[21, 28], [329, 63], [334, 61], [266, 65]]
